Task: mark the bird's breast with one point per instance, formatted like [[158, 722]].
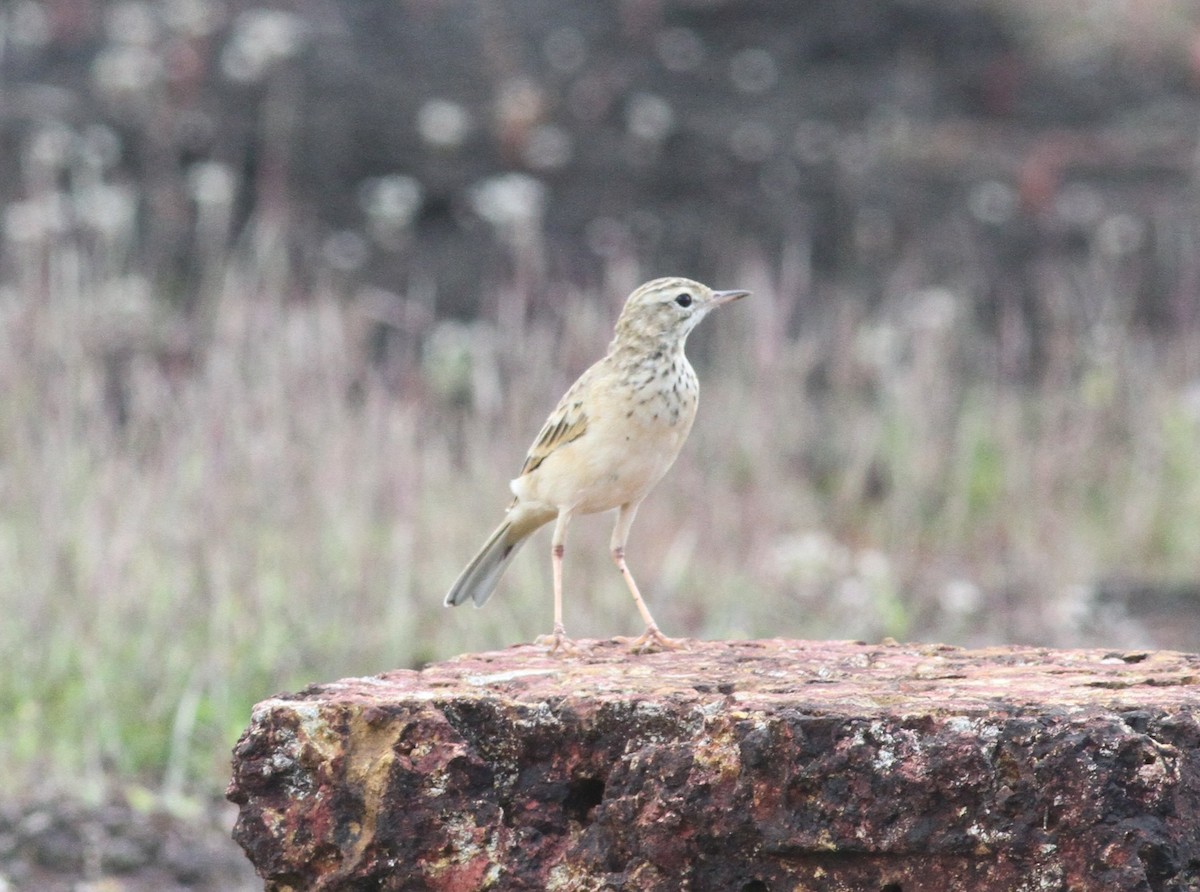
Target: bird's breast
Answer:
[[661, 392], [637, 426]]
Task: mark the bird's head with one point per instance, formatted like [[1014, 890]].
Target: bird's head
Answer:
[[666, 310]]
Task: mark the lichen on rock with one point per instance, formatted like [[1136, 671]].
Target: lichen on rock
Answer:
[[733, 765]]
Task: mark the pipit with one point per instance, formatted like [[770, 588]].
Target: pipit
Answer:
[[609, 440]]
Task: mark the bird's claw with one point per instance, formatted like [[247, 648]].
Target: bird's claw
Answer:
[[558, 642], [652, 641]]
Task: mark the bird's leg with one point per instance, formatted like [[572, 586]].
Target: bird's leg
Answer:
[[558, 640], [653, 637]]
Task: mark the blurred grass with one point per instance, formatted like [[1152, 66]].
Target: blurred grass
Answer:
[[273, 483], [187, 529]]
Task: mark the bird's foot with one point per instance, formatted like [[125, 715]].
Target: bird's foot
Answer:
[[558, 642], [653, 640]]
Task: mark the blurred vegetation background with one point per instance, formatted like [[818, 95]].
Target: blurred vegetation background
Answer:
[[286, 290]]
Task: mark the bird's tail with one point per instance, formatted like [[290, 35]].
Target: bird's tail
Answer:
[[480, 577]]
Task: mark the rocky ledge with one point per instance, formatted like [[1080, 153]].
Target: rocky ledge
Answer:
[[751, 765]]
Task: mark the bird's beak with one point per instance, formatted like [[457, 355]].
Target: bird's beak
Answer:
[[724, 297]]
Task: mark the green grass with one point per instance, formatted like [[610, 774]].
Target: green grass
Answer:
[[274, 508]]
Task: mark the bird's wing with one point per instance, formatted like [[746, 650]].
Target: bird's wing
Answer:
[[568, 422]]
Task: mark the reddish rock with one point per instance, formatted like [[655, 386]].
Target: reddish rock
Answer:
[[751, 766]]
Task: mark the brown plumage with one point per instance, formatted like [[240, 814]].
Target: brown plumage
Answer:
[[609, 440]]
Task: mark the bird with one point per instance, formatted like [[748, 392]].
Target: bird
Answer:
[[611, 438]]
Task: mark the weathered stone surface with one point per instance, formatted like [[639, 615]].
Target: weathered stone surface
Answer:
[[757, 765]]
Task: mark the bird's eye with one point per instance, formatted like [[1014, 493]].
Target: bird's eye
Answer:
[[684, 300]]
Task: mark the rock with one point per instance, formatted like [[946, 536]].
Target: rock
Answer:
[[753, 765]]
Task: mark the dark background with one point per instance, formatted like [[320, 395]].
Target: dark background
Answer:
[[866, 134]]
